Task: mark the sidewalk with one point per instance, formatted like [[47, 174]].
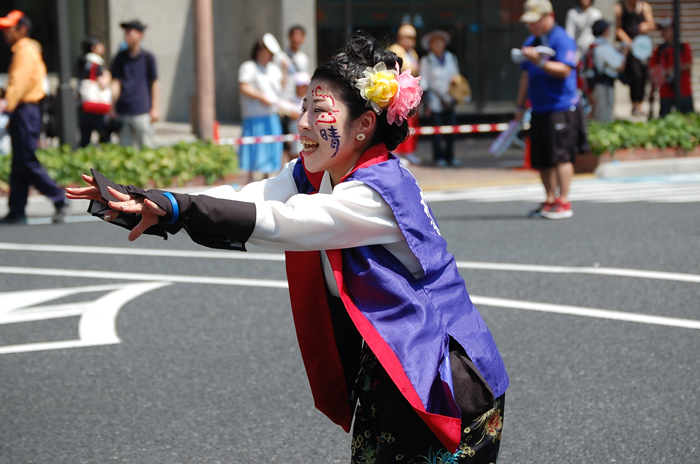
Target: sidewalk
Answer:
[[479, 168]]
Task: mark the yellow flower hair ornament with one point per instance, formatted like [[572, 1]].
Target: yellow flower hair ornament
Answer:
[[378, 86]]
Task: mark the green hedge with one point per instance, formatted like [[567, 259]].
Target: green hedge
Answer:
[[166, 166], [177, 164], [675, 130]]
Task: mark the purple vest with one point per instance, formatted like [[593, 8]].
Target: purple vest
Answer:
[[406, 321]]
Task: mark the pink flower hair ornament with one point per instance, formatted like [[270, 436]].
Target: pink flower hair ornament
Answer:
[[398, 92], [407, 97]]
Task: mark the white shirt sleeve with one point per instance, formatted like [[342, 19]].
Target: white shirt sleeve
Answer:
[[425, 73], [247, 72], [351, 215], [302, 61], [571, 23]]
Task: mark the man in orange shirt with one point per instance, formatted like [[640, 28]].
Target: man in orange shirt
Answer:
[[25, 88]]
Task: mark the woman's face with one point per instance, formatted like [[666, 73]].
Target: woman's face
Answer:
[[407, 42], [585, 4], [263, 56], [98, 48], [437, 45], [328, 138]]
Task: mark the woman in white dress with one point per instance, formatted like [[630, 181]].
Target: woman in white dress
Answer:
[[260, 85]]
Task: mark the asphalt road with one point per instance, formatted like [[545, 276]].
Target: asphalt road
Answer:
[[202, 368]]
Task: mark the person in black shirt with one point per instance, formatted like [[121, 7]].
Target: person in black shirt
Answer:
[[634, 17], [135, 88]]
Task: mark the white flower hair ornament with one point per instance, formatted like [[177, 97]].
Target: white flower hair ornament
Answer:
[[386, 88]]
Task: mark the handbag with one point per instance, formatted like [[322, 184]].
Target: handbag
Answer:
[[93, 98], [460, 89]]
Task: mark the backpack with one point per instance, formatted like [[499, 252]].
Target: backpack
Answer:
[[590, 74], [588, 71]]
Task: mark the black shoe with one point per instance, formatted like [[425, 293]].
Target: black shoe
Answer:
[[13, 219], [60, 216]]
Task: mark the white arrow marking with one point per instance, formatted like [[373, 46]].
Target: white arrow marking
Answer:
[[479, 300], [97, 318]]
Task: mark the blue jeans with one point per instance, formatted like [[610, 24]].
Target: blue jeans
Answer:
[[444, 151]]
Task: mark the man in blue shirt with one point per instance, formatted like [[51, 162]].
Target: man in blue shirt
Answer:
[[136, 93], [557, 130]]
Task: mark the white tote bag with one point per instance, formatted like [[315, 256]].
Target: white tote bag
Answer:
[[94, 99]]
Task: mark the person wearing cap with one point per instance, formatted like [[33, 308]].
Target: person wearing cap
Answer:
[[634, 18], [25, 89], [135, 88], [664, 59], [404, 48], [608, 64], [438, 69], [260, 85], [557, 130], [578, 24]]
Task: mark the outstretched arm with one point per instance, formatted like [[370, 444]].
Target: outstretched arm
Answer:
[[209, 221], [150, 212]]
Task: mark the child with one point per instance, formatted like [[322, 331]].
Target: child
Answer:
[[663, 58]]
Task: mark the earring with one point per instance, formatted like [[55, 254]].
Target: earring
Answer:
[[360, 136]]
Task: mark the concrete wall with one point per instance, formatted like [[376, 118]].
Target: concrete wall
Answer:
[[237, 24], [169, 37]]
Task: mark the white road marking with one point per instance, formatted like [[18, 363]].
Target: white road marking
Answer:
[[618, 272], [486, 301], [123, 251], [92, 274], [97, 318], [586, 312], [609, 271]]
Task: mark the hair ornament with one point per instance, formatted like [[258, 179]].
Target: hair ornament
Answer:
[[386, 88]]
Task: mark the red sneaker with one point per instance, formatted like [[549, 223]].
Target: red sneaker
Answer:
[[537, 212], [558, 210]]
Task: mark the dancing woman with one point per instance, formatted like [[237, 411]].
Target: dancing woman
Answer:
[[386, 328]]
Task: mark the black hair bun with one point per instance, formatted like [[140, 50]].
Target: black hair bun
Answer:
[[364, 51], [343, 70]]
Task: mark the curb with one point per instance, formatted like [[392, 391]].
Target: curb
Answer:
[[651, 167]]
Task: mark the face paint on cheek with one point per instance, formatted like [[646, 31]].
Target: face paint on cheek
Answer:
[[329, 117], [334, 137]]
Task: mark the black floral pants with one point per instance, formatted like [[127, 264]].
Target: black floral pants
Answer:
[[388, 430]]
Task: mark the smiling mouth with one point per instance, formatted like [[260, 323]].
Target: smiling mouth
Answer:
[[308, 146]]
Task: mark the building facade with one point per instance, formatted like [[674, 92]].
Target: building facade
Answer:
[[482, 31]]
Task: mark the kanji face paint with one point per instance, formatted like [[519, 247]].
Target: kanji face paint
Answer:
[[322, 129], [331, 116]]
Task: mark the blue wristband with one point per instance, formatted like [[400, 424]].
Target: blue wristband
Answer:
[[176, 208]]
